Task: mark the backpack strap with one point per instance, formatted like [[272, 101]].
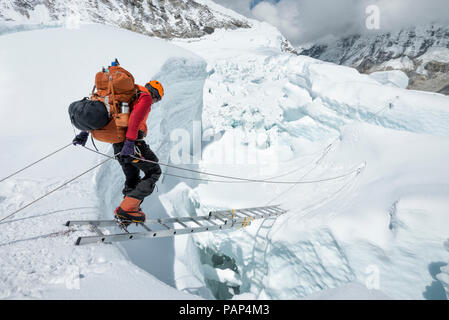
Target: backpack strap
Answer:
[[134, 99], [93, 143], [111, 90], [139, 91]]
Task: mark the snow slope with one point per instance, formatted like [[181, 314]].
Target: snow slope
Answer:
[[262, 113], [383, 225], [38, 256]]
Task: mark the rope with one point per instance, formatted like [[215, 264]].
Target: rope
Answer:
[[213, 180], [56, 189], [32, 164], [326, 151], [303, 176], [390, 106], [240, 180], [234, 178]]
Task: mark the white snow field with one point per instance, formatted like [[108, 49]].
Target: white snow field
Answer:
[[42, 73], [373, 229], [381, 227]]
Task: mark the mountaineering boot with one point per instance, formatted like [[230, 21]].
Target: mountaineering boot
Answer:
[[129, 210]]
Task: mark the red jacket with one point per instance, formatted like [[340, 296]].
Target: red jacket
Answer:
[[139, 114]]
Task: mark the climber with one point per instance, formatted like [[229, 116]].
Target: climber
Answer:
[[134, 146]]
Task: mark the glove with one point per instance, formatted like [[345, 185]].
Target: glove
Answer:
[[81, 138], [128, 149]]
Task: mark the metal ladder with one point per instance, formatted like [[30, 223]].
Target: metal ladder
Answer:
[[157, 228]]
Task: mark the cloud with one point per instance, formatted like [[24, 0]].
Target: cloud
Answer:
[[282, 15], [303, 21]]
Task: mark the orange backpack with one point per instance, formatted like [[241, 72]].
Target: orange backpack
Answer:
[[114, 86]]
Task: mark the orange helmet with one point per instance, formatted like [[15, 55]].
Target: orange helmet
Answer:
[[156, 89]]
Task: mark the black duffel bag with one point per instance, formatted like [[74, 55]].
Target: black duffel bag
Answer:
[[88, 114]]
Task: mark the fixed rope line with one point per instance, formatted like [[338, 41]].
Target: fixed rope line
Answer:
[[210, 180], [323, 155], [32, 164], [202, 179], [326, 151], [235, 178], [390, 106], [56, 189]]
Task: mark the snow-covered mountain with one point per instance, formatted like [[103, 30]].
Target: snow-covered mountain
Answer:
[[303, 119], [367, 212], [38, 256], [421, 52], [166, 19]]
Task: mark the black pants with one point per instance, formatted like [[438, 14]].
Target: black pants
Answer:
[[135, 187]]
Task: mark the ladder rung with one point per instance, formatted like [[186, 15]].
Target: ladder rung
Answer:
[[221, 215], [97, 231], [269, 209], [256, 208], [163, 224], [246, 214], [234, 214], [182, 224], [192, 219], [145, 227], [277, 209], [259, 213], [243, 214], [266, 210], [252, 211], [214, 215], [211, 221]]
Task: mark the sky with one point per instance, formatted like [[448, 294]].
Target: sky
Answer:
[[305, 21]]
